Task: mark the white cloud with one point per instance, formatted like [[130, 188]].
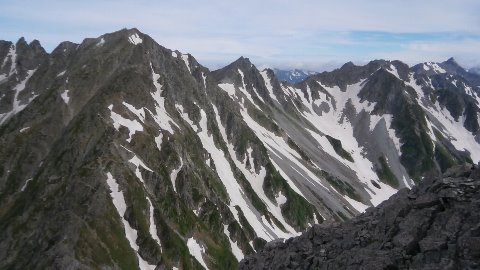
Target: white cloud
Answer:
[[301, 32], [466, 52]]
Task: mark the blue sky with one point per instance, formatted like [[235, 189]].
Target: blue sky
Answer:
[[306, 34]]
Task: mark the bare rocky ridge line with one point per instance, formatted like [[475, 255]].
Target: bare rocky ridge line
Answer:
[[436, 225]]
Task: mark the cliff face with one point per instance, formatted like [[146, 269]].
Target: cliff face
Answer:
[[436, 225]]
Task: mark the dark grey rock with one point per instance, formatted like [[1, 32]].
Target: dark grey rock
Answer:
[[429, 236]]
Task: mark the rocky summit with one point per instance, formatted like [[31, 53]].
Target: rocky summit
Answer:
[[436, 225], [118, 153]]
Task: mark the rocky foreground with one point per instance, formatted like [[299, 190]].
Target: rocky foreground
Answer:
[[436, 225]]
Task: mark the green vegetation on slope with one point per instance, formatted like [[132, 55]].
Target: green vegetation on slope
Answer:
[[297, 210], [385, 174], [337, 146]]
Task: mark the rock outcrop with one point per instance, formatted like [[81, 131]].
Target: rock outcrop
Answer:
[[436, 225]]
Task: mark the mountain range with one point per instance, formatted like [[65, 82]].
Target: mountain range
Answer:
[[475, 70], [118, 153]]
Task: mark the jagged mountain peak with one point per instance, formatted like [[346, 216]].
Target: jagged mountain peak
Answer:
[[132, 36], [449, 67], [36, 44], [64, 46], [452, 66], [34, 47], [378, 63], [238, 68], [348, 65], [452, 60], [243, 60], [349, 73], [241, 63], [21, 42]]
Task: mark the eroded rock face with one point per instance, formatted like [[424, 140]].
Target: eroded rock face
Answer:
[[436, 225]]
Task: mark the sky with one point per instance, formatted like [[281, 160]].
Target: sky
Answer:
[[309, 34]]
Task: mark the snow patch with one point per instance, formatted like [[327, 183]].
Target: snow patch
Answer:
[[65, 96], [24, 129], [451, 129], [256, 182], [174, 173], [131, 234], [17, 106], [454, 82], [140, 113], [153, 228], [226, 175], [360, 207], [12, 55], [279, 147], [135, 39], [375, 119], [335, 124], [158, 141], [185, 60], [196, 250], [161, 116], [118, 120], [393, 70], [26, 184], [281, 199], [101, 42], [433, 66], [137, 162], [237, 252], [228, 87], [204, 80], [245, 92]]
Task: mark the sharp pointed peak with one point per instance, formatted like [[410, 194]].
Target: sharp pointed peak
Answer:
[[243, 60], [241, 63], [348, 64], [379, 62], [21, 41], [128, 31], [34, 42], [268, 69], [452, 61]]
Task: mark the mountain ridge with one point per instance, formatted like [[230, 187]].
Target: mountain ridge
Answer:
[[144, 155], [428, 227]]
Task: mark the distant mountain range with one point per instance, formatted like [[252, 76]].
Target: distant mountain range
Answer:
[[293, 76], [118, 153], [475, 70]]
